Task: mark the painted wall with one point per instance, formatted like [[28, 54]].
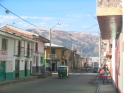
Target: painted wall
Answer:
[[120, 65], [123, 50], [40, 47]]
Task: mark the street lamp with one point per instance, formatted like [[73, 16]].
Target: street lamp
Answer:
[[50, 44]]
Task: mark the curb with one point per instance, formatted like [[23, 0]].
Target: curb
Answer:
[[22, 80]]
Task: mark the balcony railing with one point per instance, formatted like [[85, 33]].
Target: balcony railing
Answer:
[[29, 52], [21, 51], [53, 56]]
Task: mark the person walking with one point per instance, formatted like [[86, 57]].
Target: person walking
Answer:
[[43, 71], [104, 74]]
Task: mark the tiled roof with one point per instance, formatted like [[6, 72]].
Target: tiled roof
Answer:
[[18, 31]]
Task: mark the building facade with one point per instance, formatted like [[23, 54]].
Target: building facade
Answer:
[[25, 52], [110, 16]]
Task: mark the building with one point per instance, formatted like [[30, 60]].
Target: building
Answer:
[[26, 52], [60, 55], [110, 16]]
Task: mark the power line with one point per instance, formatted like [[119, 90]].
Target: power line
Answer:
[[91, 27], [8, 11]]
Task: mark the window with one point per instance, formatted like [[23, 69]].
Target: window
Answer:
[[52, 51], [34, 59], [4, 44], [63, 52], [36, 47], [41, 60], [28, 49], [19, 47]]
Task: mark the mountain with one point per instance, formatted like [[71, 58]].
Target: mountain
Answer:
[[85, 42]]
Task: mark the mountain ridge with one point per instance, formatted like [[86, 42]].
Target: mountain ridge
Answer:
[[85, 43]]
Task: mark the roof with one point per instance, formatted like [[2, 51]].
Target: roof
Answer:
[[9, 33], [54, 45], [24, 33], [18, 31], [42, 39]]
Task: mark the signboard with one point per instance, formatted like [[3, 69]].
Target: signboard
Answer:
[[3, 55]]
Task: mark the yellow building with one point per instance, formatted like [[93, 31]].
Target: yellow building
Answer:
[[60, 55]]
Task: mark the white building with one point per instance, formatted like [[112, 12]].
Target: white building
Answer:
[[25, 52]]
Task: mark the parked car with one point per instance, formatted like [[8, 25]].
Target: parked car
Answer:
[[95, 69]]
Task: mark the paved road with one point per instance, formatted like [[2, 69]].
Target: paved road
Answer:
[[76, 83]]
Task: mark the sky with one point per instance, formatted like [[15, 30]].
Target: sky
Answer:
[[74, 15]]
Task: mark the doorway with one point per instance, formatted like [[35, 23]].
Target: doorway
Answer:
[[2, 70], [26, 71], [30, 67], [37, 70], [17, 69], [53, 66]]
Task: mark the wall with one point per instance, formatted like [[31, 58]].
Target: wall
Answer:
[[40, 47]]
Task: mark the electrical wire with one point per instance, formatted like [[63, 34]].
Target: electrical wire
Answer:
[[90, 27], [8, 11]]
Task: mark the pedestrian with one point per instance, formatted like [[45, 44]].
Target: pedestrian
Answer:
[[43, 71], [104, 73]]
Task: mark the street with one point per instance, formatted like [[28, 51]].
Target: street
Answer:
[[76, 83]]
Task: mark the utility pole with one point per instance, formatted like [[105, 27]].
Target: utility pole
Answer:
[[50, 46]]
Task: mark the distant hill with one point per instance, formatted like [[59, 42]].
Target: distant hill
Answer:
[[88, 43]]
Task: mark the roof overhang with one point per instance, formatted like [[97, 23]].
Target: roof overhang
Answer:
[[109, 15], [41, 39], [110, 26]]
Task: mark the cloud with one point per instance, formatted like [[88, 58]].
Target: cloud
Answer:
[[7, 18]]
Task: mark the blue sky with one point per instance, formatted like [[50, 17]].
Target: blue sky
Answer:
[[74, 15]]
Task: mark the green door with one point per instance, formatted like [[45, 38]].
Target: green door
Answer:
[[2, 70]]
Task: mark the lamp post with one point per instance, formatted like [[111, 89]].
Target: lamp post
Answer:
[[50, 45]]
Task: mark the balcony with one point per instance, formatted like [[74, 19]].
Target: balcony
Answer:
[[20, 51], [53, 56], [29, 52]]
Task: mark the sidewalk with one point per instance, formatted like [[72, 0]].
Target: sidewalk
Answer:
[[28, 78], [105, 88]]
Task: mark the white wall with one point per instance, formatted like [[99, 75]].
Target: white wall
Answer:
[[40, 47]]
